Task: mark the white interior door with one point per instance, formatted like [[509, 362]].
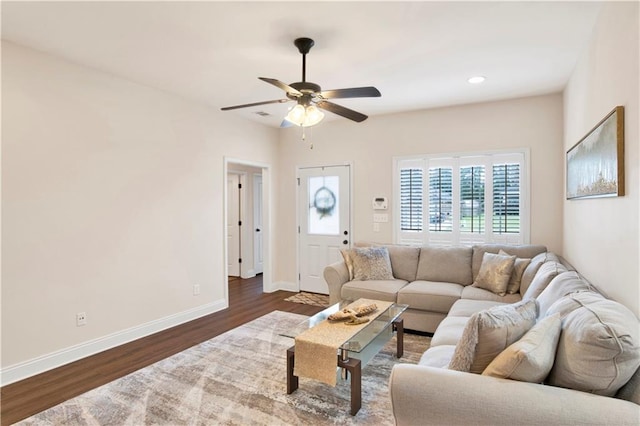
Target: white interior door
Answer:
[[233, 224], [257, 224], [324, 196]]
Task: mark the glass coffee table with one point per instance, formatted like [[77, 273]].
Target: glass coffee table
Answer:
[[356, 352]]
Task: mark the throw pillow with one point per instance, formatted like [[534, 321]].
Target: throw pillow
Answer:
[[529, 359], [495, 273], [516, 276], [598, 346], [490, 332], [371, 263], [347, 255]]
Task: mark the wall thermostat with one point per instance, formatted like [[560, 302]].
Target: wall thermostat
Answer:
[[380, 203]]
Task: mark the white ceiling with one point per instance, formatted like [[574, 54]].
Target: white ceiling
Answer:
[[418, 54]]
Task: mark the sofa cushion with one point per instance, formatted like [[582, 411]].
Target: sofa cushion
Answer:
[[547, 272], [516, 276], [404, 261], [437, 356], [377, 290], [449, 331], [523, 251], [532, 269], [489, 332], [471, 292], [598, 350], [529, 359], [430, 296], [495, 273], [563, 284], [445, 264], [468, 307], [371, 263]]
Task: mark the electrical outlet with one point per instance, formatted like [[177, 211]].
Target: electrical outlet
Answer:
[[196, 289], [81, 319], [376, 227]]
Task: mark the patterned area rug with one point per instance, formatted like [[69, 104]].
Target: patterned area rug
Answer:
[[314, 299], [237, 378]]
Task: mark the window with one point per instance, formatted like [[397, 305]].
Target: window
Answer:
[[467, 199], [411, 199]]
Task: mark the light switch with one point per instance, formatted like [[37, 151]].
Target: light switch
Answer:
[[380, 218]]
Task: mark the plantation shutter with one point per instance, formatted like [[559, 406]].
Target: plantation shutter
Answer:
[[472, 208], [506, 198], [440, 199], [411, 203]]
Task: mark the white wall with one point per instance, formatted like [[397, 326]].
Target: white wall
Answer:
[[601, 236], [112, 204], [534, 122]]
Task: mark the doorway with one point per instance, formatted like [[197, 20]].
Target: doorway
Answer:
[[324, 203], [246, 219]]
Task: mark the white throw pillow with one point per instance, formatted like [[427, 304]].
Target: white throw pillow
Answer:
[[529, 359]]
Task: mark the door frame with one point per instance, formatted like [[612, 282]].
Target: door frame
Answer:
[[257, 201], [241, 211], [299, 218], [267, 277]]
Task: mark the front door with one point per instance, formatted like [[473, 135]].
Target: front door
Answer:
[[324, 195]]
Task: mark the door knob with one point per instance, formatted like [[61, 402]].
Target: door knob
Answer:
[[345, 242], [257, 229]]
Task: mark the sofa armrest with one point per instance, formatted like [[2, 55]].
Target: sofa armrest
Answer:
[[435, 396], [336, 275]]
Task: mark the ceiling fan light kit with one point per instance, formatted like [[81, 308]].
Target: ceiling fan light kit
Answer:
[[310, 98]]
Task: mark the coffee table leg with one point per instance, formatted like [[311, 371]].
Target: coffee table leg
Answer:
[[398, 327], [292, 381], [354, 367]]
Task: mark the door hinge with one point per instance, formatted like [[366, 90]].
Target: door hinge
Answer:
[[239, 186], [298, 229], [240, 260], [299, 278], [298, 181], [239, 223]]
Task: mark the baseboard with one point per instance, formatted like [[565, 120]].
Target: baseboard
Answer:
[[59, 358], [283, 285]]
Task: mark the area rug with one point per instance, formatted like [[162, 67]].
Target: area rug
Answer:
[[314, 299], [237, 378]]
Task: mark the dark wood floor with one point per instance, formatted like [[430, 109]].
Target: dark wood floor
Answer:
[[246, 302]]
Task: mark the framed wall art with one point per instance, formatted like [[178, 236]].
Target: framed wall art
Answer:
[[595, 165]]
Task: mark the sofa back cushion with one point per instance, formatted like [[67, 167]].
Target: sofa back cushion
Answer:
[[404, 261], [445, 264], [527, 251], [547, 272], [598, 350], [532, 269], [563, 284]]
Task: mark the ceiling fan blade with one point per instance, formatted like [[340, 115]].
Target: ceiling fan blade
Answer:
[[353, 92], [277, 101], [340, 110], [290, 90]]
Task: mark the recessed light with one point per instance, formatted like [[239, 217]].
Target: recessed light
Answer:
[[476, 79]]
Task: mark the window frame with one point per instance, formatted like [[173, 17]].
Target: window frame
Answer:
[[457, 160]]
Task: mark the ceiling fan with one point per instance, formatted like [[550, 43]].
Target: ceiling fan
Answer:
[[310, 97]]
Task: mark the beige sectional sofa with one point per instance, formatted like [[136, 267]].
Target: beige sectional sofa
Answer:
[[588, 375], [430, 280]]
